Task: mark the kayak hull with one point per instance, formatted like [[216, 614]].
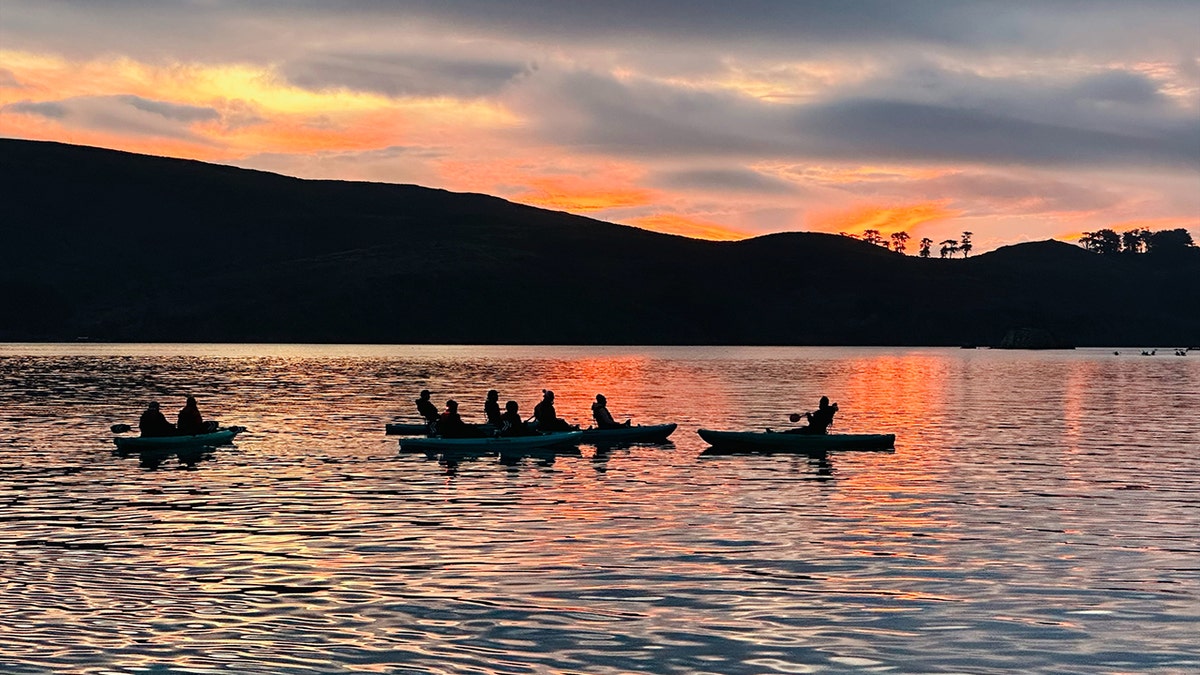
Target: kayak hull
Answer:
[[644, 433], [774, 441], [218, 437], [490, 444], [405, 429], [409, 429]]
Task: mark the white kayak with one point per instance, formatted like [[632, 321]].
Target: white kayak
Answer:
[[212, 439], [781, 442], [645, 433], [490, 443]]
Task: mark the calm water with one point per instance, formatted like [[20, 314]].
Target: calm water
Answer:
[[1040, 512]]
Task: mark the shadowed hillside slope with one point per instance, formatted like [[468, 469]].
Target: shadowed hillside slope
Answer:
[[117, 246]]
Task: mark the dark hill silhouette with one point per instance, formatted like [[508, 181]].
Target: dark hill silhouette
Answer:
[[118, 246]]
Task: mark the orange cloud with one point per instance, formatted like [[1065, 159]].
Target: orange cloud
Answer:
[[566, 193], [260, 113], [671, 223], [51, 78], [301, 134], [885, 219]]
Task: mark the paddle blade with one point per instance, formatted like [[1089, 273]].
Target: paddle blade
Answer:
[[120, 428], [795, 417]]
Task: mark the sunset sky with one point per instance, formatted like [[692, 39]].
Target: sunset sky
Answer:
[[1014, 120]]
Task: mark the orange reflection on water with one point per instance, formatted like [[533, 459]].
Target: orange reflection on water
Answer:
[[901, 394], [1076, 386], [894, 392]]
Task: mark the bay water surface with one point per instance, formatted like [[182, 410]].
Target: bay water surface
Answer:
[[1040, 513]]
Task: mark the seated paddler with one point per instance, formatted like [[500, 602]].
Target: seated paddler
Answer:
[[819, 420], [451, 425], [154, 423], [604, 419]]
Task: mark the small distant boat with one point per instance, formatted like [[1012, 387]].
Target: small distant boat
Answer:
[[212, 439], [643, 433], [780, 442], [489, 444]]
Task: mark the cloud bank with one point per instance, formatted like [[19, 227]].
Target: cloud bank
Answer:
[[1018, 120]]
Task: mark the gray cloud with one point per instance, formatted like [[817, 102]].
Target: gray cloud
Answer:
[[403, 74], [8, 80], [125, 114], [598, 113], [1034, 194], [723, 180], [171, 111], [49, 109], [1120, 87], [949, 117], [268, 30], [904, 131], [990, 192]]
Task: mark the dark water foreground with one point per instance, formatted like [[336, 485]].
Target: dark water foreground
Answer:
[[1040, 513]]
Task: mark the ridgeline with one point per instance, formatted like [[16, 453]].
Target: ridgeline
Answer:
[[123, 247]]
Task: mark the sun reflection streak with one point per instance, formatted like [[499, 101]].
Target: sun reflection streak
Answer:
[[906, 394]]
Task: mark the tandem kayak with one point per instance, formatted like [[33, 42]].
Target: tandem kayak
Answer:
[[644, 433], [407, 429], [781, 442], [218, 437], [489, 444], [410, 429]]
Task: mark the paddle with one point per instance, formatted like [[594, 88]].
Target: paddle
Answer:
[[120, 428]]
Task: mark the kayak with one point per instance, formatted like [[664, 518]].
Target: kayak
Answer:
[[647, 432], [218, 437], [409, 429], [404, 429], [778, 441], [490, 444]]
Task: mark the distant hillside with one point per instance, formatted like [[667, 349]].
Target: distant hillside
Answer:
[[124, 247]]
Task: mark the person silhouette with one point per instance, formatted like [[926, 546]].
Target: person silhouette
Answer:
[[511, 423], [451, 425], [547, 418], [818, 420], [491, 408], [604, 419], [427, 409], [154, 423], [190, 422]]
